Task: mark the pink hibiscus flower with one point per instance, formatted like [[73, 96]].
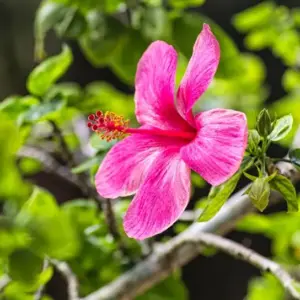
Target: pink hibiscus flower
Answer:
[[155, 160]]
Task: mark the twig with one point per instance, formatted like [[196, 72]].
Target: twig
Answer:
[[112, 225], [180, 250], [65, 151], [103, 203], [70, 278], [52, 166], [248, 255], [4, 281]]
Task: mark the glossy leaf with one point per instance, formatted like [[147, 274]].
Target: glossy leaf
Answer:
[[281, 128], [43, 111], [47, 16], [285, 187], [264, 123], [48, 72], [218, 196]]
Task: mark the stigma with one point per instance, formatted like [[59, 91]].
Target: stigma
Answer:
[[108, 125]]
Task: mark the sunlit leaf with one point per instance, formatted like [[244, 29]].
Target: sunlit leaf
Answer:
[[255, 16], [48, 72], [281, 128], [291, 80]]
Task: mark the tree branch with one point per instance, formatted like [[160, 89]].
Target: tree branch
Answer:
[[70, 278], [248, 255], [52, 166], [180, 250]]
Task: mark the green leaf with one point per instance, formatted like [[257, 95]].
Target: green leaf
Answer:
[[99, 144], [294, 156], [185, 3], [281, 128], [265, 288], [261, 38], [254, 223], [291, 80], [24, 266], [153, 22], [50, 229], [259, 193], [69, 91], [88, 164], [264, 123], [44, 111], [10, 141], [49, 71], [15, 105], [284, 186], [253, 141], [218, 196], [11, 237], [287, 46], [171, 288], [73, 24], [82, 212], [102, 94], [102, 38], [123, 64], [48, 14], [253, 17]]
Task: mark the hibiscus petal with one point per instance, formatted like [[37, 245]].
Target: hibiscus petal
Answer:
[[126, 164], [155, 85], [217, 151], [200, 72], [161, 199]]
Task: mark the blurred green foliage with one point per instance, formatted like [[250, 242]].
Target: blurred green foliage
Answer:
[[34, 229]]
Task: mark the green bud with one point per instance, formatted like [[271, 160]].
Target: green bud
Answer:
[[259, 193], [253, 141], [264, 123]]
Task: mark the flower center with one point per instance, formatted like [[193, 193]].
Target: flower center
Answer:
[[110, 126]]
